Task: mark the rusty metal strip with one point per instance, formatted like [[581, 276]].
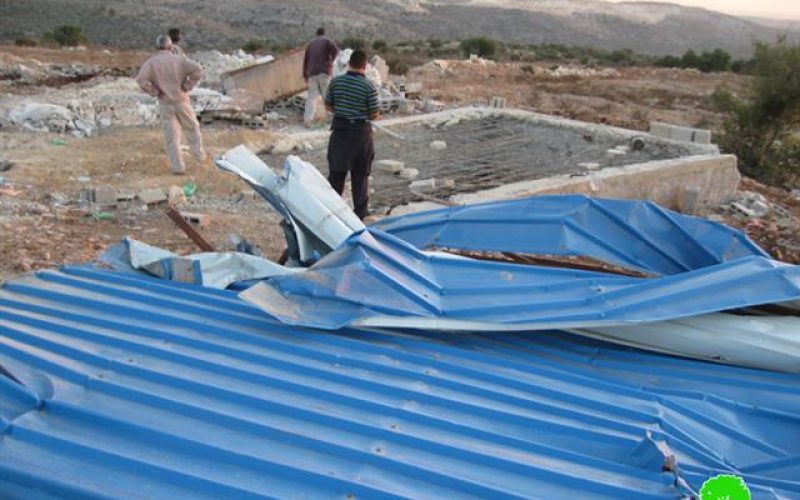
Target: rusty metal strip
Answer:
[[187, 228]]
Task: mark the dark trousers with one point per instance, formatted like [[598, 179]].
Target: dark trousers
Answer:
[[351, 150]]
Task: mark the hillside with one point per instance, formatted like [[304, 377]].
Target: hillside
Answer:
[[654, 28]]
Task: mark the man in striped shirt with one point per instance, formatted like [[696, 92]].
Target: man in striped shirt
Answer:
[[353, 100]]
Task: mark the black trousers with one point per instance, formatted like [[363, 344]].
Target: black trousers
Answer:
[[351, 150]]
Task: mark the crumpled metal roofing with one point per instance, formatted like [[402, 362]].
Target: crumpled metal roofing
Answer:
[[136, 387], [377, 280], [634, 234]]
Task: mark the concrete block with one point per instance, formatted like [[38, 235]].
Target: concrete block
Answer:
[[682, 134], [152, 196], [389, 166], [104, 194], [123, 195], [661, 130], [430, 185], [702, 136], [438, 145], [498, 102], [408, 174]]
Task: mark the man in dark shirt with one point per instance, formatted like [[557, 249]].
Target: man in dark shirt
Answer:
[[353, 100], [317, 70], [176, 36]]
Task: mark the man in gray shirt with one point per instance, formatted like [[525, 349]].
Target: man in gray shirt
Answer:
[[317, 70]]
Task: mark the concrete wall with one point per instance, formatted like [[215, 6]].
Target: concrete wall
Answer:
[[684, 184], [252, 86]]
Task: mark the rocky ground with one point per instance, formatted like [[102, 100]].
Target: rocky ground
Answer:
[[46, 219]]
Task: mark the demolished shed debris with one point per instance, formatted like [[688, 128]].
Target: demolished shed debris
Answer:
[[134, 384]]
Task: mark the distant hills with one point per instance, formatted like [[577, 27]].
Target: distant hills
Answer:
[[653, 28]]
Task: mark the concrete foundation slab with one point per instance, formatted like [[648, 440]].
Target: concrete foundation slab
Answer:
[[501, 153]]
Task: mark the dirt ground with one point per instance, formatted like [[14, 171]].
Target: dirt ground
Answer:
[[43, 223]]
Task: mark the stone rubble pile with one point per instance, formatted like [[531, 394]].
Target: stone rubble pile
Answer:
[[18, 71], [579, 72], [114, 102], [768, 223]]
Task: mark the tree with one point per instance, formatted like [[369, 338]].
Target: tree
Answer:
[[718, 60], [66, 36], [759, 126], [690, 59], [481, 46], [379, 45]]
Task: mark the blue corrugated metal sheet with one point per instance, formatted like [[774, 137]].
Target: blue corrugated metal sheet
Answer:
[[139, 388], [378, 280], [633, 234]]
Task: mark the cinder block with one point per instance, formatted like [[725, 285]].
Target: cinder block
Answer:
[[104, 194], [661, 129], [702, 136], [152, 196], [682, 134]]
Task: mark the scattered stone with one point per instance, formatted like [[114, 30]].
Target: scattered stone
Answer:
[[590, 165], [6, 165], [58, 198], [104, 194], [389, 166], [176, 196], [283, 146], [431, 106], [83, 178], [438, 145], [408, 174], [152, 196]]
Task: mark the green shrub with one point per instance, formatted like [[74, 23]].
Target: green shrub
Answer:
[[66, 36], [253, 46], [759, 126], [481, 46], [354, 43], [24, 41], [379, 45]]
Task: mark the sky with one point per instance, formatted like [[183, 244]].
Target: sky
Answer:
[[778, 9]]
